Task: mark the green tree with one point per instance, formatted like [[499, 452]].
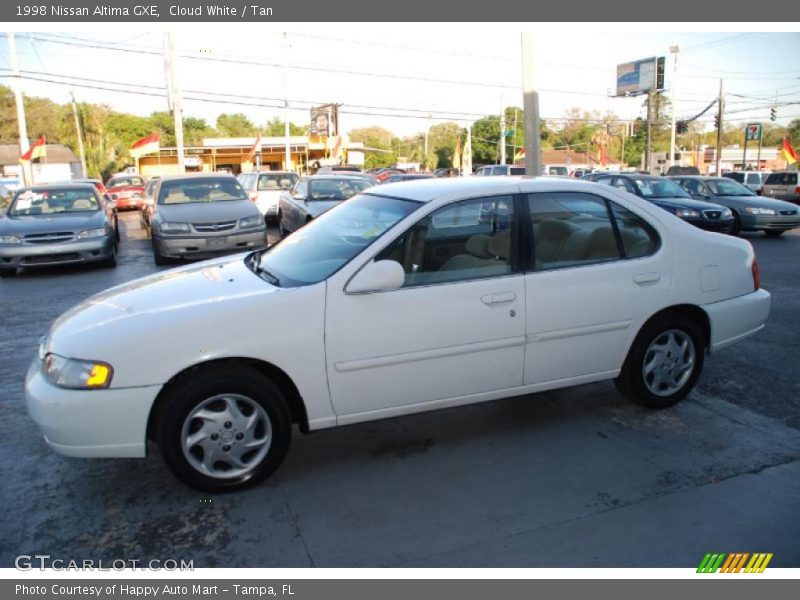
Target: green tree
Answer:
[[275, 127], [235, 125], [378, 144]]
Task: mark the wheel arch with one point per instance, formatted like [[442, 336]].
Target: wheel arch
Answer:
[[297, 407], [689, 311]]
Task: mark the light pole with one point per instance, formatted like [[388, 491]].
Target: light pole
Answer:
[[674, 50]]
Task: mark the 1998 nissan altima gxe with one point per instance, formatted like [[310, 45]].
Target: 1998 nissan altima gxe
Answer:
[[405, 298]]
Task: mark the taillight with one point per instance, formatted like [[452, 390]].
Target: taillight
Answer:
[[756, 275], [797, 190]]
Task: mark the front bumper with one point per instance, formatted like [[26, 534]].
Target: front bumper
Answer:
[[737, 318], [13, 256], [716, 225], [90, 423], [195, 246], [769, 222]]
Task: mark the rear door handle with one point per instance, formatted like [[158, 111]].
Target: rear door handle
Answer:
[[498, 297], [647, 278]]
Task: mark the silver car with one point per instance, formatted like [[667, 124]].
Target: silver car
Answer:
[[265, 187], [201, 216], [57, 224], [783, 185]]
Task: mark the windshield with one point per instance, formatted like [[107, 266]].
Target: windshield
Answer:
[[557, 171], [660, 188], [330, 241], [121, 181], [278, 181], [48, 202], [337, 188], [728, 187], [207, 189]]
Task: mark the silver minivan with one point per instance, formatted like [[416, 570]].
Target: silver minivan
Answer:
[[752, 180], [783, 185]]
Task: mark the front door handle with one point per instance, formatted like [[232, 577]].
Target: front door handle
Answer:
[[498, 298], [646, 278]]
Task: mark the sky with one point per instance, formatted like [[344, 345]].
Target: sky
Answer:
[[431, 73]]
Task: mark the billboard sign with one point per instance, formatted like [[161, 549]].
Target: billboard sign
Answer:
[[752, 133], [640, 76], [324, 120]]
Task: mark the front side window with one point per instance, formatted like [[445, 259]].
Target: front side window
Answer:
[[337, 188], [330, 241], [471, 239], [727, 187], [623, 184]]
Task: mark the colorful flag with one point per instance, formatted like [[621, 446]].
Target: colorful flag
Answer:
[[457, 155], [146, 145], [256, 148], [37, 150], [519, 155], [466, 155], [788, 153]]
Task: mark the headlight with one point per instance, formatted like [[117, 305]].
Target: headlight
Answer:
[[9, 239], [687, 213], [174, 228], [92, 233], [726, 214], [753, 210], [77, 374], [254, 221]]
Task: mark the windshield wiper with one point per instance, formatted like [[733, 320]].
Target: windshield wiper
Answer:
[[269, 277]]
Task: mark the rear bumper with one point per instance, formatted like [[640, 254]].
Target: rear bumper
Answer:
[[44, 255], [200, 247], [738, 318]]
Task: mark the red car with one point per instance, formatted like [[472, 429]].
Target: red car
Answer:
[[127, 191], [386, 173]]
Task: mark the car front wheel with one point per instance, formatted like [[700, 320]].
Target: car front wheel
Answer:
[[663, 363], [224, 428]]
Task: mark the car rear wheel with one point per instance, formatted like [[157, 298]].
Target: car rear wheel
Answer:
[[774, 233], [8, 272], [224, 428], [663, 363]]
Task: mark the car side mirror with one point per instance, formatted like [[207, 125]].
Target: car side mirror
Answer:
[[299, 197], [380, 276]]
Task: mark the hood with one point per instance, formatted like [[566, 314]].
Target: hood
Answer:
[[156, 303], [28, 224], [316, 207], [761, 202], [207, 212], [679, 202]]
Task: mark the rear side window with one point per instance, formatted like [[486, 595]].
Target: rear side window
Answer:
[[753, 178], [774, 179], [572, 230], [791, 179], [518, 170], [735, 176]]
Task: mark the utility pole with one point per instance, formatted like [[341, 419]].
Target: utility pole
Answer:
[[79, 132], [533, 157], [674, 49], [514, 138], [427, 133], [720, 110], [502, 132], [624, 135], [175, 94], [647, 136], [287, 151], [24, 145]]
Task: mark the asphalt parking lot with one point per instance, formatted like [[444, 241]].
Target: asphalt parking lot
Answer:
[[573, 478]]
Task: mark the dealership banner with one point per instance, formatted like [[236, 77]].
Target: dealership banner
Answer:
[[33, 11], [392, 589]]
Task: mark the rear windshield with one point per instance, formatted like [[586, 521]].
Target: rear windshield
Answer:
[[336, 189], [518, 170], [207, 189], [782, 179], [276, 181], [735, 176], [128, 180], [48, 202]]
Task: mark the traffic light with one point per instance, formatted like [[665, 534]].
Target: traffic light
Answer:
[[773, 113], [716, 121], [681, 127]]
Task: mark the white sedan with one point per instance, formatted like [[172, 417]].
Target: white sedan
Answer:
[[406, 298]]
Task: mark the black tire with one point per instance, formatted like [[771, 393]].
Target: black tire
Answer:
[[8, 273], [632, 382], [773, 233], [737, 224], [282, 233], [116, 229], [111, 261], [203, 385], [159, 258]]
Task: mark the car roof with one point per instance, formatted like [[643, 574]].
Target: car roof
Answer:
[[197, 176], [268, 173], [57, 186], [434, 188], [336, 176]]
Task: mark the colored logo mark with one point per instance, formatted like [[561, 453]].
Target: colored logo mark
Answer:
[[734, 562]]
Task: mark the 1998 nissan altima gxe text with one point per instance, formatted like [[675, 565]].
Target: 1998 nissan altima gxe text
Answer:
[[407, 298]]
